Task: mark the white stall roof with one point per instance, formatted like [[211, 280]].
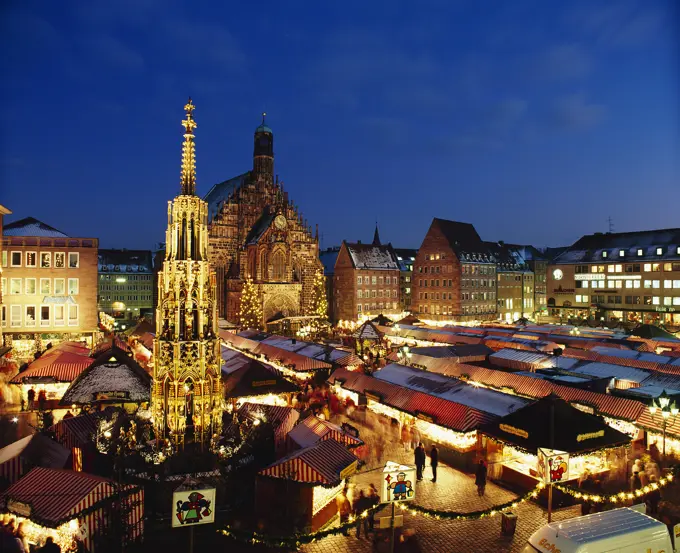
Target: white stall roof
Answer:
[[620, 372]]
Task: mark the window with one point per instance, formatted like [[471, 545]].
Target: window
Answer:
[[676, 301], [15, 315], [381, 281], [29, 286], [45, 260], [622, 253], [581, 299], [388, 280], [46, 286], [374, 280], [676, 284], [73, 260], [373, 293], [668, 284], [31, 259], [58, 286], [15, 286], [29, 320], [610, 268], [73, 286], [72, 315], [659, 251], [359, 280], [648, 283], [359, 308], [618, 268], [58, 315], [604, 254], [629, 284], [4, 258], [3, 289], [360, 294], [656, 284], [3, 317], [636, 284], [667, 300], [59, 260], [44, 315], [16, 259], [656, 267]]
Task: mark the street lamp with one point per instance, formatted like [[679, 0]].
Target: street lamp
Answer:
[[404, 355], [668, 411]]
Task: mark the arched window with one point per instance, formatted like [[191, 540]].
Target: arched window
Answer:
[[263, 265], [278, 266]]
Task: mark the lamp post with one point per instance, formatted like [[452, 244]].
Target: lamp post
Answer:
[[404, 355], [668, 411]]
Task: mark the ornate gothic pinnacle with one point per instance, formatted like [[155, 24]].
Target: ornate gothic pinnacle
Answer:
[[188, 174]]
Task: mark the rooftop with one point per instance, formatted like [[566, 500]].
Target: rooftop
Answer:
[[374, 257], [30, 226], [464, 240]]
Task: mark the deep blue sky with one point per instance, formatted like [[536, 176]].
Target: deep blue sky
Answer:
[[533, 120]]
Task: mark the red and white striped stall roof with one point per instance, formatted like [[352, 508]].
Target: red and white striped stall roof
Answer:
[[282, 418], [62, 366], [319, 464], [31, 451], [76, 431], [313, 429]]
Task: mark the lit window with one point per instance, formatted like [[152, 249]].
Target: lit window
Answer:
[[622, 253], [15, 286], [647, 267], [374, 280], [659, 251], [45, 286], [58, 315], [359, 308], [677, 250], [59, 260], [31, 259], [58, 286], [604, 254], [668, 284], [29, 319], [15, 315], [610, 268], [359, 279], [73, 287], [29, 286], [618, 269], [73, 260], [640, 252], [676, 301], [667, 300], [45, 260], [360, 294]]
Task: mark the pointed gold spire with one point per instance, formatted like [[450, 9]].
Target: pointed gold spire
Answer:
[[188, 175]]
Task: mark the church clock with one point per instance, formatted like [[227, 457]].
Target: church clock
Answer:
[[280, 222]]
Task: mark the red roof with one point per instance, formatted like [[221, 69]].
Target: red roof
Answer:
[[58, 495], [313, 429], [320, 464], [63, 362]]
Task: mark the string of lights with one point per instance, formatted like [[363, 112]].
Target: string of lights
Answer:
[[619, 497]]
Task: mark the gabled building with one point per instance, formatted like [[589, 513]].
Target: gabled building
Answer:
[[406, 258], [454, 274], [537, 261], [366, 280], [126, 285], [514, 284]]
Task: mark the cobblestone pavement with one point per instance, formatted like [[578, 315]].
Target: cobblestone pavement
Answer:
[[453, 490]]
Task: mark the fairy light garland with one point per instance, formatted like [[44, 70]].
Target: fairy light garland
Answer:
[[616, 497]]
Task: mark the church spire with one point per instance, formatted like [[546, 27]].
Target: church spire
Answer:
[[376, 235], [188, 175]]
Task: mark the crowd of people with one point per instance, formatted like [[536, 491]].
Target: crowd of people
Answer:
[[13, 539]]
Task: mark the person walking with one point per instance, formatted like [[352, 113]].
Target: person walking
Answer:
[[42, 398], [652, 499], [31, 399], [360, 505], [373, 499], [344, 508], [480, 478], [420, 461], [434, 461]]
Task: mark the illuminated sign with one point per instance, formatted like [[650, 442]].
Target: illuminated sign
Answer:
[[553, 465], [398, 483], [372, 396], [595, 276], [110, 395], [257, 383], [19, 508], [348, 471], [590, 436], [426, 418], [512, 430], [665, 309], [193, 507]]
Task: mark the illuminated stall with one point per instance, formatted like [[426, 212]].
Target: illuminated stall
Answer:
[[69, 505], [282, 419], [512, 442], [299, 490]]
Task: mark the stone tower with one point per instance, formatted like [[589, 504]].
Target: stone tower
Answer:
[[186, 396]]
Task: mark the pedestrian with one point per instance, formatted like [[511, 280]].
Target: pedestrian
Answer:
[[50, 546], [652, 499], [373, 501], [420, 461], [635, 483], [405, 437], [360, 505], [344, 508], [415, 437], [31, 399], [434, 461], [11, 543], [654, 452], [480, 478], [42, 398]]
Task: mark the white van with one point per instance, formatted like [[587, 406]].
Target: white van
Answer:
[[617, 531]]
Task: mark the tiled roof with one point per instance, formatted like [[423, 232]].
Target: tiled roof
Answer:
[[374, 257], [221, 192], [30, 226], [125, 261], [313, 429], [464, 241], [319, 464], [63, 363]]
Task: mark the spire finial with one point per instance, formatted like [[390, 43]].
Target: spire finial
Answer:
[[264, 114], [376, 236], [188, 174]]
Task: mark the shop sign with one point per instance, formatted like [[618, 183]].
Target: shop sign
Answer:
[[398, 483], [372, 397], [590, 436], [258, 383], [19, 508], [591, 276], [553, 465], [349, 470], [349, 429], [665, 309], [516, 431], [110, 395], [193, 507], [426, 418], [563, 291]]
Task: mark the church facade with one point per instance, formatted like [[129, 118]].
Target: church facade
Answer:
[[256, 232]]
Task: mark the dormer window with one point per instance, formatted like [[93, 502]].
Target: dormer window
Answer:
[[659, 251], [677, 250], [640, 252], [622, 253], [604, 254]]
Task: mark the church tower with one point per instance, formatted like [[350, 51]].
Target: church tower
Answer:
[[263, 153], [187, 395]]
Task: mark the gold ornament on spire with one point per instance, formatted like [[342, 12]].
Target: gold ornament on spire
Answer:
[[188, 174]]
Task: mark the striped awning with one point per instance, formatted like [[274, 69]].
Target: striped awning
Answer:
[[62, 363], [76, 431], [322, 463], [283, 419], [313, 430]]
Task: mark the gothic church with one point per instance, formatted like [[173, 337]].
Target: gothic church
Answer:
[[256, 232]]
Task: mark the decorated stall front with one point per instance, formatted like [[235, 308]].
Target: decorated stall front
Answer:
[[78, 434], [299, 490], [369, 341], [282, 419], [512, 442], [70, 506]]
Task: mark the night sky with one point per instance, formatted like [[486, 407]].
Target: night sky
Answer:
[[533, 120]]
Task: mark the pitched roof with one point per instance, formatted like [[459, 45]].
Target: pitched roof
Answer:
[[255, 379], [221, 192], [319, 464], [112, 372], [374, 257], [62, 363], [260, 226], [368, 331], [312, 430], [30, 226], [464, 240], [125, 261], [36, 449]]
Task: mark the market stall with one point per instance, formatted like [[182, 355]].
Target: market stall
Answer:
[[282, 419], [71, 505], [313, 430], [299, 490], [36, 450], [512, 442]]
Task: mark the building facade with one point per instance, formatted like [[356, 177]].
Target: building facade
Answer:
[[454, 275], [366, 280], [49, 282], [256, 232], [515, 283], [328, 257], [632, 277], [537, 263], [3, 211], [406, 259], [126, 281], [186, 398]]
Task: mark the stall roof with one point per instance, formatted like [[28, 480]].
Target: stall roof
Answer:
[[605, 370], [38, 450], [450, 389], [574, 430], [62, 363], [321, 463], [273, 414], [313, 429], [256, 379]]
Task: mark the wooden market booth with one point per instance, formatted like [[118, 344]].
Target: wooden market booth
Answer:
[[36, 450], [282, 419], [511, 443], [299, 490]]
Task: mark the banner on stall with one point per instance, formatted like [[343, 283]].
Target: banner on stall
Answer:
[[553, 465], [193, 507], [398, 483]]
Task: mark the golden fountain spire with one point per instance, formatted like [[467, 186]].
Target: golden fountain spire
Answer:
[[188, 175]]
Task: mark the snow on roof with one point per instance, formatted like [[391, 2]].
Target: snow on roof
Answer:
[[450, 389], [30, 226], [605, 370], [368, 256], [109, 376], [233, 360]]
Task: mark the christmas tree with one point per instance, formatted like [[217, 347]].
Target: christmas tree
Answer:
[[319, 301], [250, 313]]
